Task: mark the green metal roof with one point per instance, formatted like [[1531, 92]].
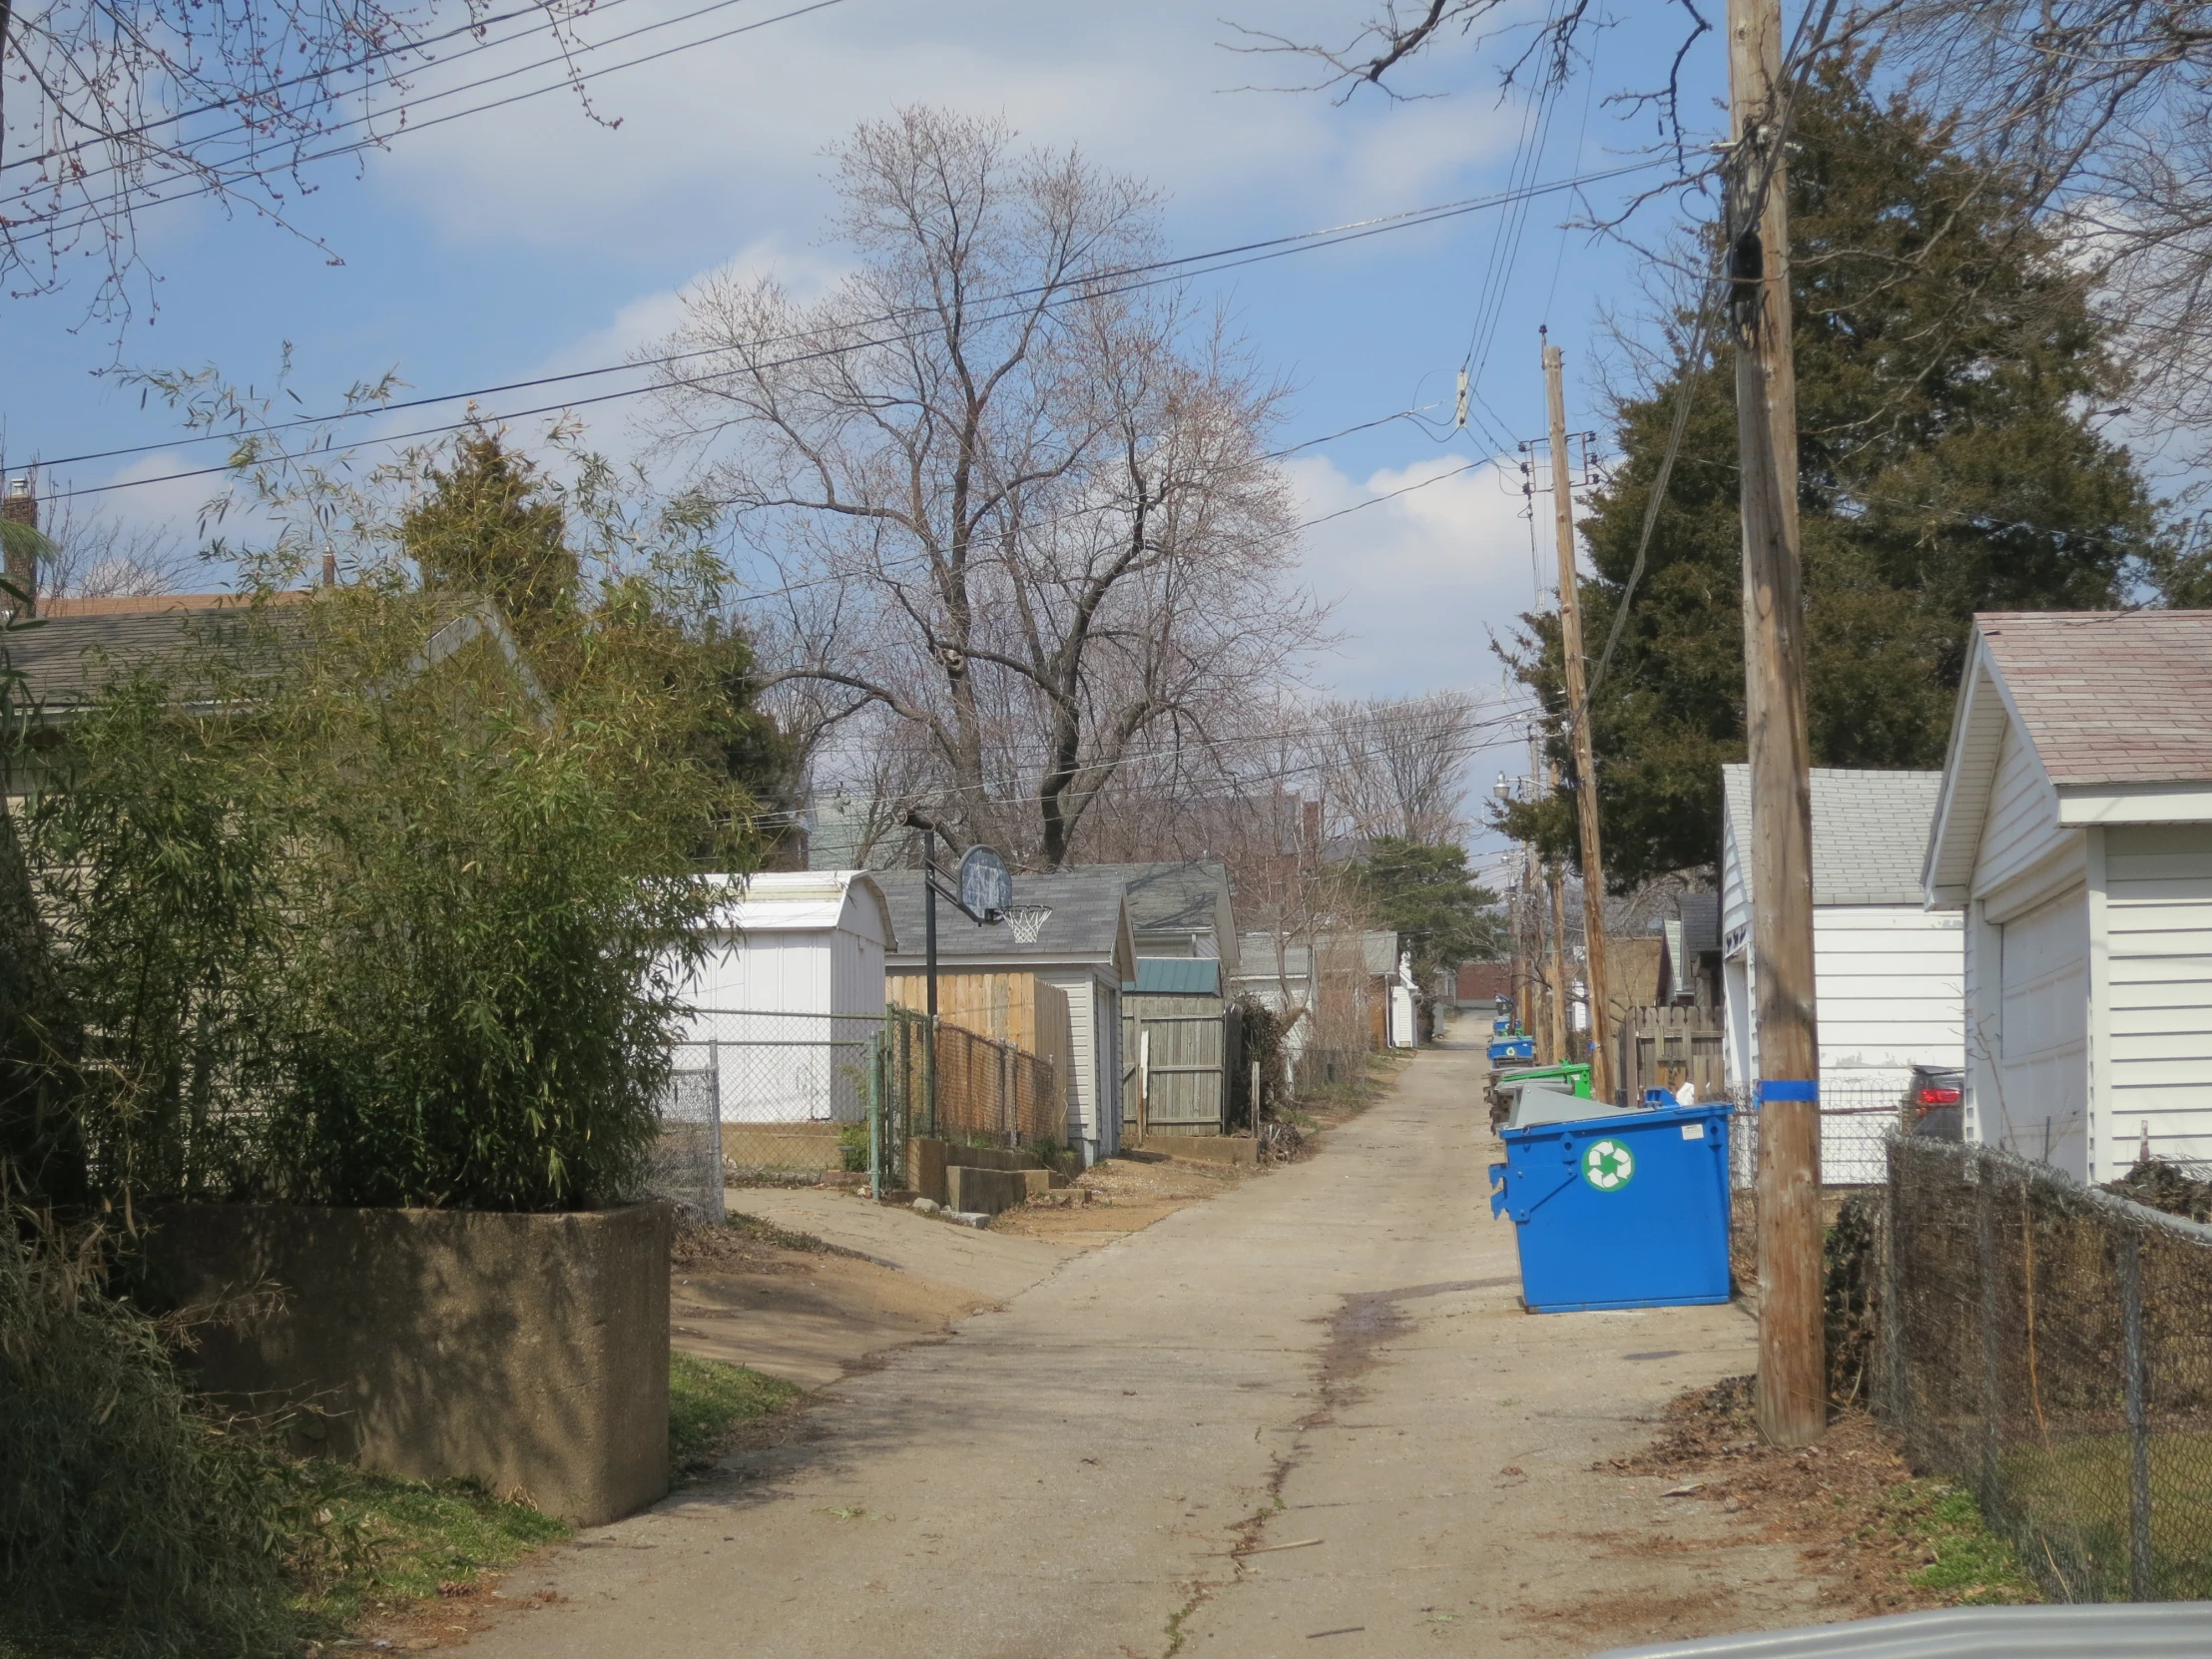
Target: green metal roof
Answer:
[[1177, 977]]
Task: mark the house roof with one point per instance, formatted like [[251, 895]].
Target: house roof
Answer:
[[2109, 697], [1177, 977], [67, 661], [1177, 899], [804, 902], [1870, 831], [1700, 923], [2115, 707], [1089, 921], [204, 653]]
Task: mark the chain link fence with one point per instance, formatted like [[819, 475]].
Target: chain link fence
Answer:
[[1859, 1114], [787, 1092], [2049, 1346], [984, 1093], [767, 1097]]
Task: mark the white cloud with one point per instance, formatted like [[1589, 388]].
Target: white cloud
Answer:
[[1420, 580], [736, 131]]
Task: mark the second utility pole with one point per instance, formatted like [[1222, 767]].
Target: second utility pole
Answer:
[[1793, 1366], [1578, 728]]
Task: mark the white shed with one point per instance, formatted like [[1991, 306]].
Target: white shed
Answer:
[[1886, 972], [789, 994], [2075, 836]]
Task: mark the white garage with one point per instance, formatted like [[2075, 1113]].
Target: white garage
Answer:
[[2074, 832]]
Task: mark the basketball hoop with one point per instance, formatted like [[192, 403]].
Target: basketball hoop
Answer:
[[1027, 920]]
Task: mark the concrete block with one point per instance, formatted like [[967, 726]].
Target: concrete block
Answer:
[[1207, 1148], [1037, 1182], [925, 1168], [529, 1351], [985, 1191], [989, 1157]]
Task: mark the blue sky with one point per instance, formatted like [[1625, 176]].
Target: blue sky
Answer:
[[532, 239]]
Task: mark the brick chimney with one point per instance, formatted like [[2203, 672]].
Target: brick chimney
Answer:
[[20, 507]]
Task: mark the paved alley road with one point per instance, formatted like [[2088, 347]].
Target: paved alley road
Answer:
[[1305, 1417]]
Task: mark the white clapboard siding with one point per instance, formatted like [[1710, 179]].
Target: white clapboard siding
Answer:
[[2158, 929], [2038, 1105], [2021, 830], [1887, 984], [1083, 1048], [1106, 1021], [1889, 981]]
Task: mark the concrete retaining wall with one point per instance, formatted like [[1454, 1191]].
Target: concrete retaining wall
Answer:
[[1211, 1149], [973, 1188], [529, 1351]]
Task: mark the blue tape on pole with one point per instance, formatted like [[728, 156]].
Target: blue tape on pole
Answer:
[[1780, 1089]]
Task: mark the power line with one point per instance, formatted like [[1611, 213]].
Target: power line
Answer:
[[213, 106], [97, 209], [1148, 275]]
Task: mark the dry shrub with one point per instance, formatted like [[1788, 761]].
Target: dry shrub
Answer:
[[133, 1525]]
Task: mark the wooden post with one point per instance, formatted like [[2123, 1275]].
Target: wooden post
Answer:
[[1578, 732], [1144, 1080], [1556, 1014], [1793, 1384]]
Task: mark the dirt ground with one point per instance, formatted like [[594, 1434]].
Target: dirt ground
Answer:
[[790, 1305], [1122, 1196], [1862, 1526]]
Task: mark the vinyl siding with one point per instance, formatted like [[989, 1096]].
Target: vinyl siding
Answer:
[[1887, 979], [2020, 832], [2158, 922], [2038, 1105], [1088, 1058]]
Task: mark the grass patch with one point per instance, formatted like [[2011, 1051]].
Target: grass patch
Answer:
[[2072, 1497], [408, 1539], [1964, 1561], [708, 1399]]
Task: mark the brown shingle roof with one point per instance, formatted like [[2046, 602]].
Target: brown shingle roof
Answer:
[[2110, 697]]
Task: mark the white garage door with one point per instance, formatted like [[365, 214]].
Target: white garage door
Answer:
[[2042, 1044]]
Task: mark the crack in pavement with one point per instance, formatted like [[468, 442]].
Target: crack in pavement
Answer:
[[1366, 1321]]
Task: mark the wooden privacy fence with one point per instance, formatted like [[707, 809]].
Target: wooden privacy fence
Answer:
[[987, 1093], [1664, 1047]]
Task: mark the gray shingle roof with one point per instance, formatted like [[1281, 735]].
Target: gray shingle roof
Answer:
[[2110, 697], [1700, 923], [1869, 831], [66, 661], [1175, 897], [1086, 916]]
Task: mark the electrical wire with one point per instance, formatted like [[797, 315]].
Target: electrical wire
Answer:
[[1803, 48], [399, 49], [1149, 275], [98, 209]]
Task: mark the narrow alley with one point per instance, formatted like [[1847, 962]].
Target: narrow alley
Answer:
[[1308, 1410]]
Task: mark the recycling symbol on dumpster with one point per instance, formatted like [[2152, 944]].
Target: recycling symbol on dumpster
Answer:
[[1607, 1166]]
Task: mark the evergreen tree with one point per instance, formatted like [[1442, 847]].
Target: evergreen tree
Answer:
[[1950, 365], [488, 526], [1424, 895]]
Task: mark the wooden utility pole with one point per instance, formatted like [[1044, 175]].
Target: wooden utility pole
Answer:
[[1793, 1379], [1578, 728], [1555, 1010]]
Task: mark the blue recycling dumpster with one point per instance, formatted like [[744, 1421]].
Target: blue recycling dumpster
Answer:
[[1624, 1210], [1512, 1048]]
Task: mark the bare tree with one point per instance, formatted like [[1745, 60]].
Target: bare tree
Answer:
[[1395, 765], [2097, 111], [110, 106], [92, 554], [1031, 516]]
